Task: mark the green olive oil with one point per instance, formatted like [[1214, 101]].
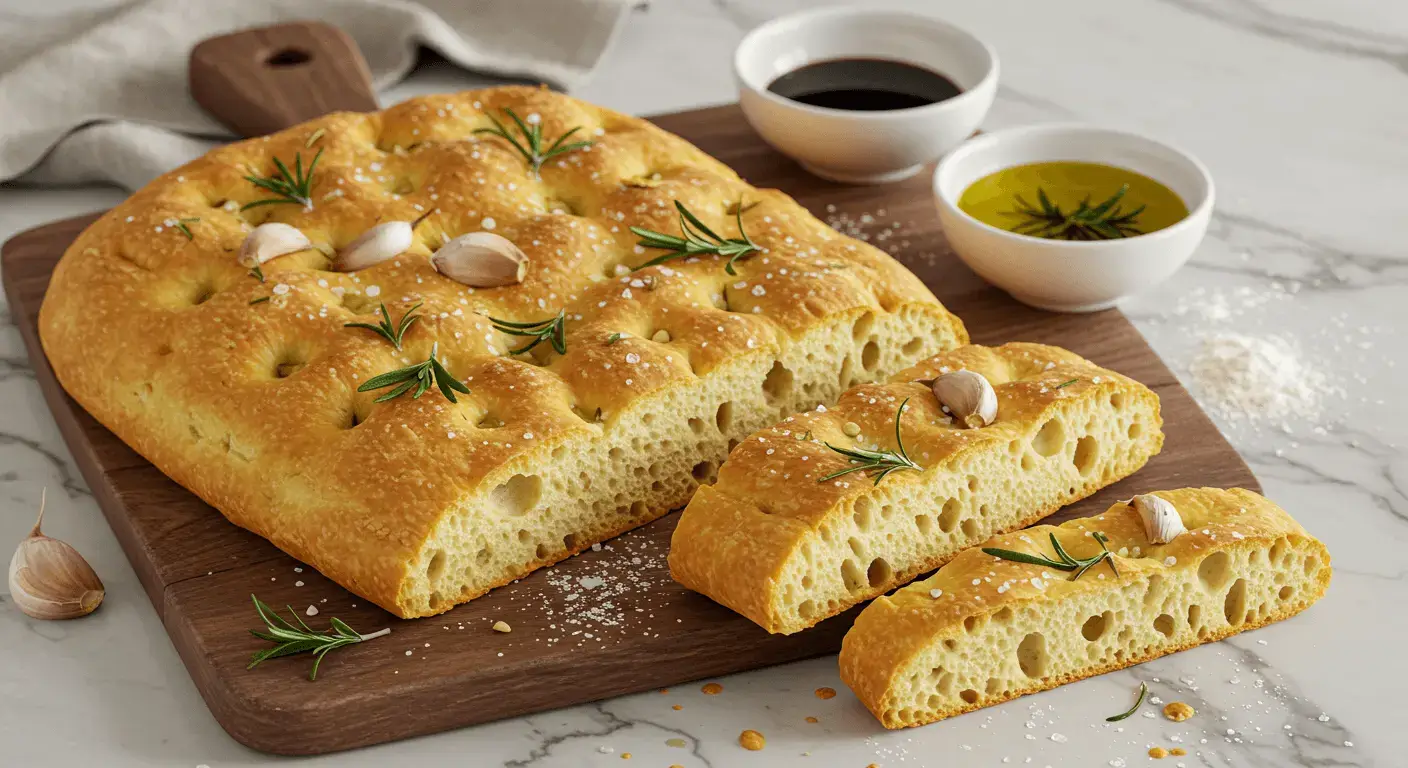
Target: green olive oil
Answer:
[[1072, 201]]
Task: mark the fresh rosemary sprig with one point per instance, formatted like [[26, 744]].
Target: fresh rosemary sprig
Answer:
[[1102, 222], [531, 146], [420, 376], [880, 462], [553, 331], [392, 333], [298, 637], [294, 187], [1066, 562], [181, 224], [1143, 691], [697, 239]]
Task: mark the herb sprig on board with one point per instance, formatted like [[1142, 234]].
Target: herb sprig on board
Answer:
[[289, 187], [420, 376], [1065, 562], [1105, 221], [294, 637], [391, 332], [697, 239], [881, 463], [1143, 691], [529, 142]]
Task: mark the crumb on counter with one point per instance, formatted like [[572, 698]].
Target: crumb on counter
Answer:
[[751, 740], [713, 689], [826, 693], [1177, 711]]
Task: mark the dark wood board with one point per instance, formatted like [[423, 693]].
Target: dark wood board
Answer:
[[199, 570]]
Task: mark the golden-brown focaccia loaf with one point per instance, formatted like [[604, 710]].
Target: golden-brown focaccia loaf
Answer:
[[771, 541], [419, 504], [984, 629]]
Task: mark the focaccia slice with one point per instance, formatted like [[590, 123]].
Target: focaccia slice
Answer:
[[775, 543], [986, 629]]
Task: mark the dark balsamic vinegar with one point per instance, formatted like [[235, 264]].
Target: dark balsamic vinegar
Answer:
[[866, 85]]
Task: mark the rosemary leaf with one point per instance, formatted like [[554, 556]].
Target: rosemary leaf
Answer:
[[291, 187], [698, 239], [385, 328], [182, 225], [1065, 384], [298, 637], [881, 463], [1105, 221], [260, 300], [257, 272], [1143, 691], [529, 141], [1064, 561], [420, 377], [553, 331]]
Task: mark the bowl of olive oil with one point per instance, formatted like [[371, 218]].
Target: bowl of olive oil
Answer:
[[1072, 218]]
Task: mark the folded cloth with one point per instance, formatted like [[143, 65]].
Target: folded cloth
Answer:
[[101, 95]]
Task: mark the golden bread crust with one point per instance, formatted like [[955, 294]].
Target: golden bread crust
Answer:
[[767, 539], [254, 406], [897, 635]]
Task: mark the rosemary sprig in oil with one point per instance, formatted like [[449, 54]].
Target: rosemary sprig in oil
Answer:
[[385, 328], [529, 143], [297, 637], [1105, 221], [289, 187], [1064, 562], [697, 239], [553, 331], [420, 377], [881, 463], [1143, 691]]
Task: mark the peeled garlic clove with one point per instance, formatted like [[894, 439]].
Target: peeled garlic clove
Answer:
[[271, 240], [1162, 523], [968, 396], [50, 580], [481, 260], [384, 241]]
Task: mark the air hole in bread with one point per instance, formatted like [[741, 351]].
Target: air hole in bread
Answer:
[[971, 623], [1031, 655], [1285, 593], [1087, 451], [1312, 564], [1028, 463], [1094, 627], [696, 426], [436, 567], [723, 419], [879, 573], [863, 513], [777, 385], [1234, 608], [1153, 592], [639, 509], [925, 524], [1135, 430], [863, 326], [1117, 400], [163, 350], [969, 696], [1279, 550], [846, 375], [807, 609], [1003, 616], [1015, 447], [569, 542], [870, 356], [732, 443], [972, 483], [969, 526], [518, 495], [705, 472], [1215, 571], [541, 552], [911, 347], [201, 293], [857, 546], [1050, 439], [1164, 624], [851, 575], [948, 518], [1195, 616]]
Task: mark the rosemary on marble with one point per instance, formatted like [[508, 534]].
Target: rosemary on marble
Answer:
[[531, 143], [697, 239], [391, 332], [294, 637], [291, 187], [1106, 221], [419, 376], [553, 331], [1143, 691], [881, 463], [182, 226], [1065, 562]]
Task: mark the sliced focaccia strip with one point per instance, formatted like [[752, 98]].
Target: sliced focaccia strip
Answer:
[[985, 629], [777, 542]]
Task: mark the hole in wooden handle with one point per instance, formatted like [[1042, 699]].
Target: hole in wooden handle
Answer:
[[287, 57]]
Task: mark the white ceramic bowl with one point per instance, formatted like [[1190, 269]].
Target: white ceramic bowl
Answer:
[[854, 146], [1072, 276]]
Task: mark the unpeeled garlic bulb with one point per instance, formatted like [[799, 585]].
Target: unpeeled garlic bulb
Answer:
[[968, 396], [50, 580], [386, 240], [481, 260], [1162, 523], [271, 240]]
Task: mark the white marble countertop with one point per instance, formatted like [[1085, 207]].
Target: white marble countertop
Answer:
[[1299, 111]]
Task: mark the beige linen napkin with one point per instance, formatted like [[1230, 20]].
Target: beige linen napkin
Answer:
[[101, 95]]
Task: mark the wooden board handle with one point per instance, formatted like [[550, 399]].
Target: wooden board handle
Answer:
[[265, 79]]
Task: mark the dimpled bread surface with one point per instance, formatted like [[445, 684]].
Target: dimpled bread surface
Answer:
[[772, 542], [998, 629], [420, 504]]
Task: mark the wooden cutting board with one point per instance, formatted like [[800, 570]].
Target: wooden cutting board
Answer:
[[601, 624]]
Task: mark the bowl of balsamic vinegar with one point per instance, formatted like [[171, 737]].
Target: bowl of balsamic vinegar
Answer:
[[863, 96]]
